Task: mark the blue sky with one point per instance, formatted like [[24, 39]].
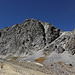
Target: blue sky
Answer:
[[60, 13]]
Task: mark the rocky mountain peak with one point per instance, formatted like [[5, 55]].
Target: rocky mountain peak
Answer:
[[36, 47], [25, 38]]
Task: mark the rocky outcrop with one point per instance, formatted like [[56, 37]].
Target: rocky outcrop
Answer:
[[70, 45], [26, 38]]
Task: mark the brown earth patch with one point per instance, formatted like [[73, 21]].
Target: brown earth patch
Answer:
[[14, 58], [59, 62], [40, 60]]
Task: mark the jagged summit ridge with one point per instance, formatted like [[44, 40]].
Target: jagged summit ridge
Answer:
[[28, 37]]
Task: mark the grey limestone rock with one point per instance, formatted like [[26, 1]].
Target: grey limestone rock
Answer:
[[70, 46], [26, 38]]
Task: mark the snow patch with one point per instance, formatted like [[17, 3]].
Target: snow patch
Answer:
[[38, 64]]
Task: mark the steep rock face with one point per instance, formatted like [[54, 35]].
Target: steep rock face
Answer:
[[70, 45], [26, 38], [65, 42]]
